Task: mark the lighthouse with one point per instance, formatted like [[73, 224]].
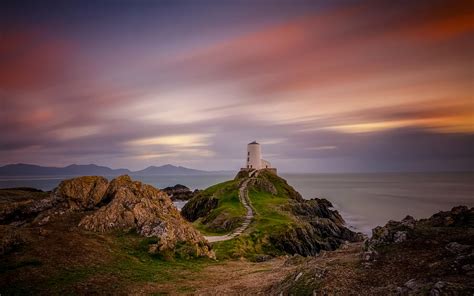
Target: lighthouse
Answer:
[[254, 158]]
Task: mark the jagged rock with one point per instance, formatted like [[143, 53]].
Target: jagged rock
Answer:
[[460, 216], [136, 206], [82, 192], [397, 232], [180, 192], [319, 229]]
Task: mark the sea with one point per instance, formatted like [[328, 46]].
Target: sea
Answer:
[[364, 200]]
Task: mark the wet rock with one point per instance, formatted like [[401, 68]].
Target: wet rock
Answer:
[[151, 213]]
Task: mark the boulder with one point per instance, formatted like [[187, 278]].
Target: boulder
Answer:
[[133, 205], [82, 193], [180, 192]]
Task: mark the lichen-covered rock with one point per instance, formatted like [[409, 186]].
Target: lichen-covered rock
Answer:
[[199, 206], [82, 192], [133, 205], [180, 192]]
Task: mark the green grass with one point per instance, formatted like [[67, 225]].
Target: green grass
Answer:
[[269, 219], [131, 264], [229, 208]]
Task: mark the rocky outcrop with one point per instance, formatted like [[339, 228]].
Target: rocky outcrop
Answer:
[[317, 228], [262, 185], [180, 192], [82, 193], [136, 206], [199, 206], [409, 228], [121, 205], [24, 205]]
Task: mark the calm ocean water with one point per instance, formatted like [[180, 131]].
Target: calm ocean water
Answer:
[[364, 200]]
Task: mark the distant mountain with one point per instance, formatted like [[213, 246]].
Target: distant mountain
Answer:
[[168, 169], [21, 169]]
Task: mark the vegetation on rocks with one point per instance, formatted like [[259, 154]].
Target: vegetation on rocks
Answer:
[[217, 209], [284, 222]]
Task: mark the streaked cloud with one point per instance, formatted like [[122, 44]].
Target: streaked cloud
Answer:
[[185, 140], [323, 85]]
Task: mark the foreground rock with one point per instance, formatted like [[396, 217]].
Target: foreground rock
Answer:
[[82, 193], [180, 192], [433, 256], [149, 211], [408, 229], [121, 205]]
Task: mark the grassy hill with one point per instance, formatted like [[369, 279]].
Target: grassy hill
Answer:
[[284, 222]]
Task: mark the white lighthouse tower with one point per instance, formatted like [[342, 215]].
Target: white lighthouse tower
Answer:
[[254, 158]]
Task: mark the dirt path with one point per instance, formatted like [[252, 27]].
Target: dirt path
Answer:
[[244, 199]]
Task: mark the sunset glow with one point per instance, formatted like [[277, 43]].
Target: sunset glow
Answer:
[[316, 82]]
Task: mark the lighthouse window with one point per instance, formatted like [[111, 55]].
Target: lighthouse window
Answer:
[[248, 153], [248, 158]]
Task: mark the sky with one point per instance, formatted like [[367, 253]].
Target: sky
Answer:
[[323, 86]]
